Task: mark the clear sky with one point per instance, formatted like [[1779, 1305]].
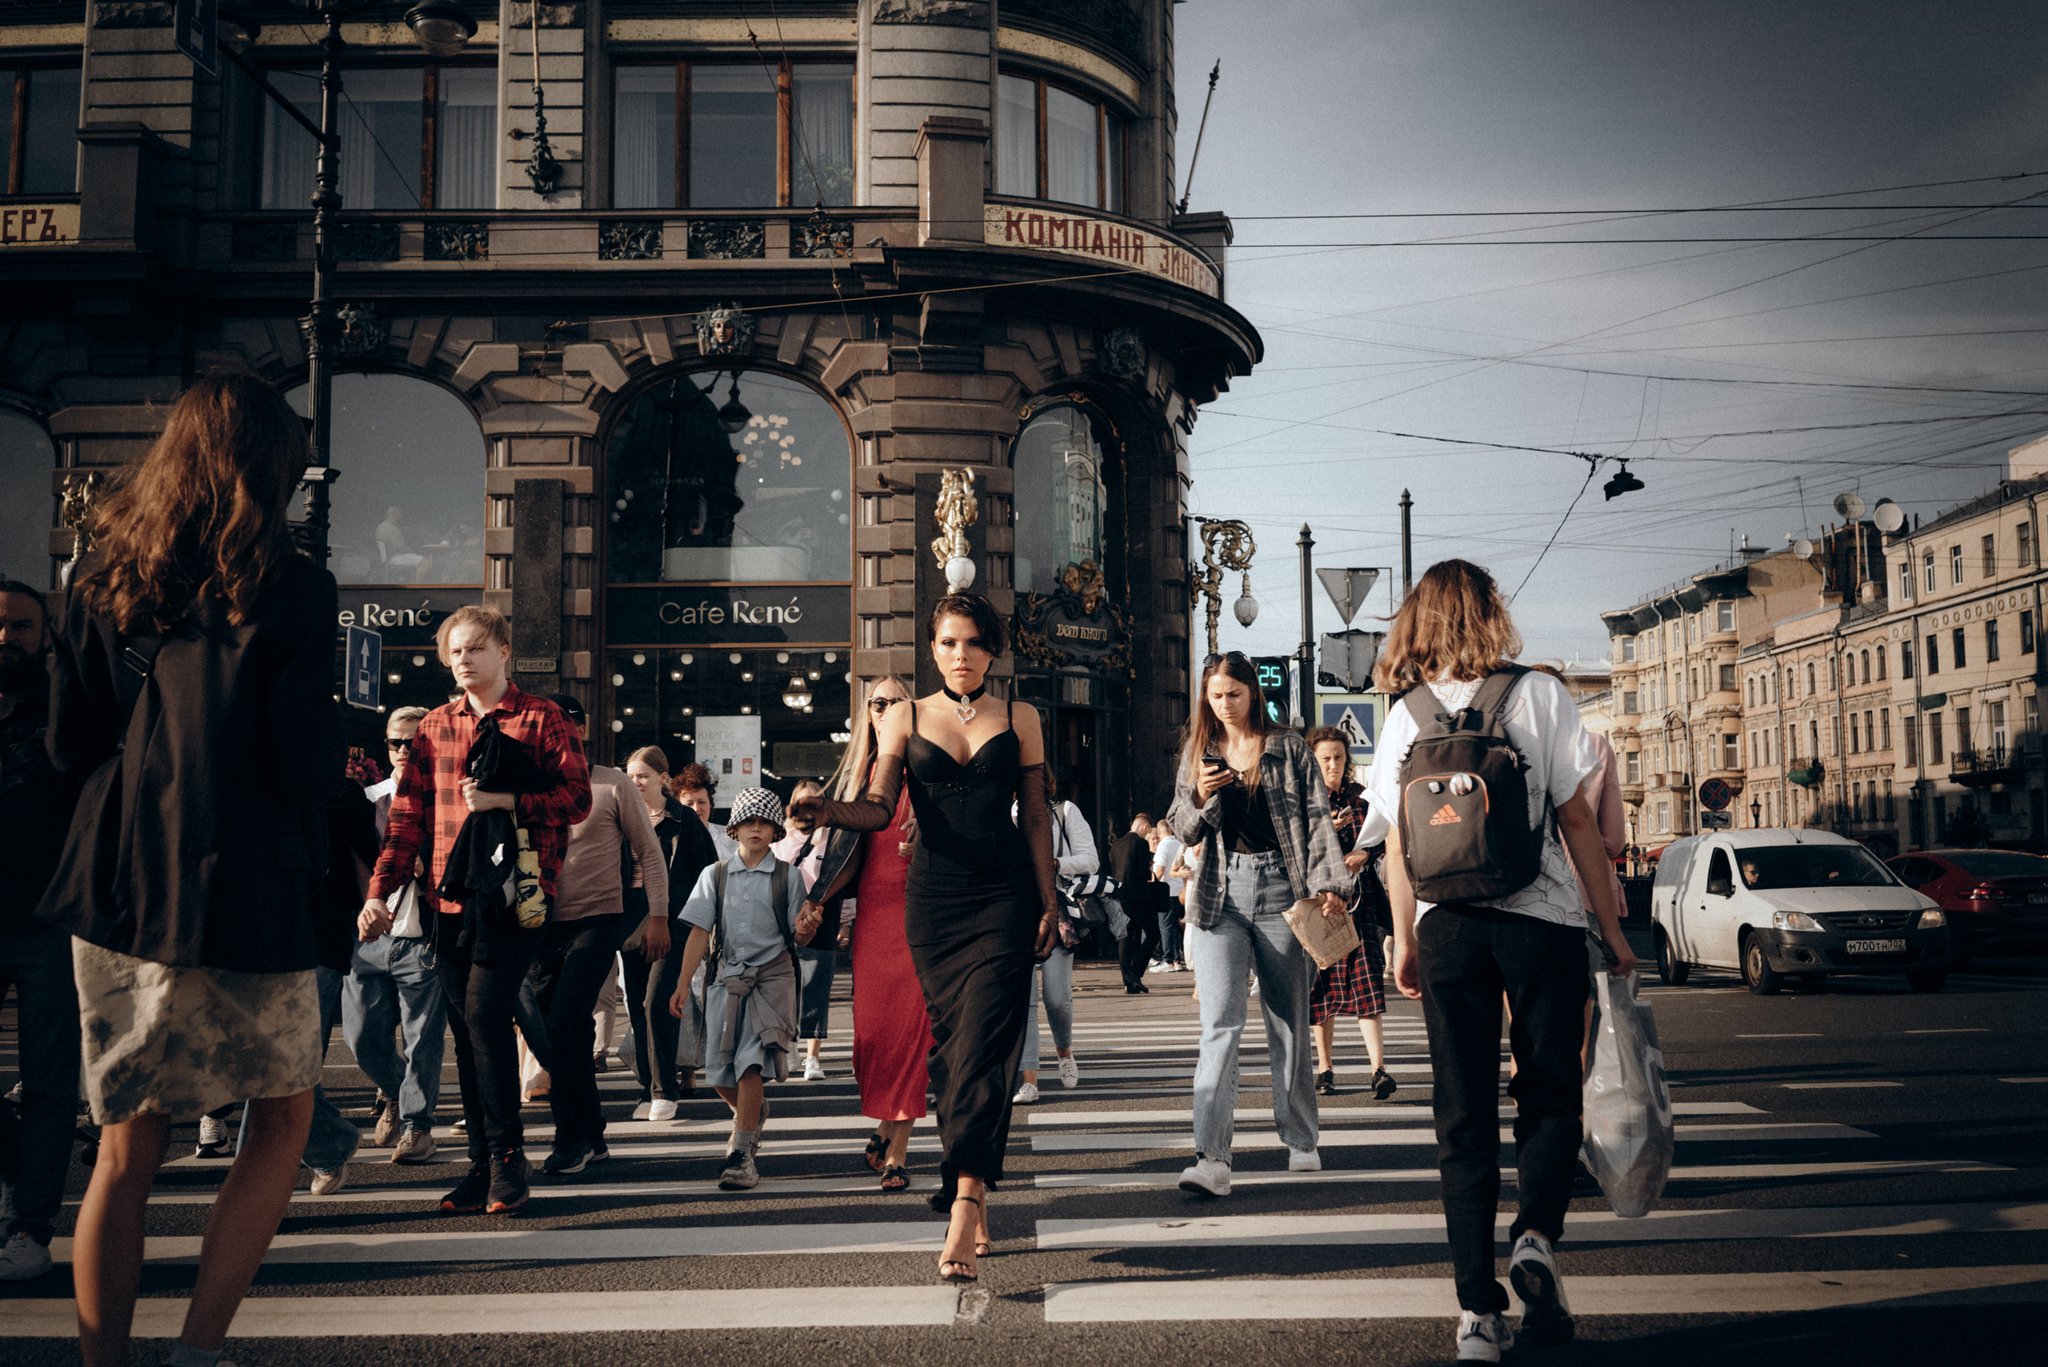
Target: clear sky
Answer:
[[1911, 365]]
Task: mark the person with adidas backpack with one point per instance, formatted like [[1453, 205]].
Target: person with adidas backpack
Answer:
[[1483, 764]]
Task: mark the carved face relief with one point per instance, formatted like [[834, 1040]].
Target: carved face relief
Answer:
[[724, 331]]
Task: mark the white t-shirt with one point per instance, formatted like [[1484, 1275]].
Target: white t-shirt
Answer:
[[1162, 860], [1543, 722]]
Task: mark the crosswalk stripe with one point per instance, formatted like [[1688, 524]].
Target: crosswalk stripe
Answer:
[[526, 1313], [1341, 1139], [1750, 1172], [1581, 1227], [429, 1194], [1405, 1111], [1432, 1298], [1834, 1086]]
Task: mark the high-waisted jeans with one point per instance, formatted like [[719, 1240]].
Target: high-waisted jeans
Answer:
[[1053, 983]]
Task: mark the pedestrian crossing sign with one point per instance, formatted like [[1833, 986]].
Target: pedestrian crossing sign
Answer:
[[1358, 716]]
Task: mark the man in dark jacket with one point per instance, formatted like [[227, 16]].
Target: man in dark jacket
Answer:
[[1130, 864], [35, 957]]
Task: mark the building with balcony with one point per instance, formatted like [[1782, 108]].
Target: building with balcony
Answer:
[[682, 410]]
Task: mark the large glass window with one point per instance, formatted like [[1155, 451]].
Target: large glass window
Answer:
[[408, 508], [26, 507], [1052, 143], [731, 477], [411, 138], [752, 136], [39, 130], [1061, 500], [754, 717]]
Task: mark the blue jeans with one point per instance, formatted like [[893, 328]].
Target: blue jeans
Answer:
[[37, 960], [1057, 976], [1252, 936], [393, 986], [334, 1137]]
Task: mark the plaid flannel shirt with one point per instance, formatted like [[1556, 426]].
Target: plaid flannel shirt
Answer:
[[1299, 806], [427, 811]]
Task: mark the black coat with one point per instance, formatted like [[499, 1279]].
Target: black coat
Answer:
[[35, 811], [206, 850]]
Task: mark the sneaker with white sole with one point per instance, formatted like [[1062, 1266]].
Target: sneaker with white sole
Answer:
[[1532, 1271], [213, 1139], [1070, 1072], [1483, 1338], [814, 1070], [1207, 1177], [385, 1132], [416, 1145], [22, 1258], [644, 1111], [1304, 1160], [739, 1173], [661, 1108], [1026, 1094], [329, 1182]]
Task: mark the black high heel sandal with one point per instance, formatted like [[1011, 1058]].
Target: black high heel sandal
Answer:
[[970, 1275]]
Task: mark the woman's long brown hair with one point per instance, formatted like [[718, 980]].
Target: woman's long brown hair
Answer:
[[1453, 625], [1204, 730], [203, 513]]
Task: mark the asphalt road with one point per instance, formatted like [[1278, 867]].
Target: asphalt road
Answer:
[[1859, 1176]]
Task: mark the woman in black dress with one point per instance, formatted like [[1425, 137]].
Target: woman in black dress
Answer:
[[982, 902]]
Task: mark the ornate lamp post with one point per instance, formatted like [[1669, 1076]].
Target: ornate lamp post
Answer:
[[1756, 813], [1226, 544]]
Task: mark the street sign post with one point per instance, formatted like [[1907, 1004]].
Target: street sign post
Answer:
[[1715, 821], [1347, 589], [1359, 716], [195, 31], [1715, 794], [1348, 658], [363, 681]]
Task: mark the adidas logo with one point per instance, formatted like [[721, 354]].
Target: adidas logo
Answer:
[[1446, 816]]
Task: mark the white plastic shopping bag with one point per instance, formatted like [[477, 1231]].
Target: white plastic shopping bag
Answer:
[[1628, 1131]]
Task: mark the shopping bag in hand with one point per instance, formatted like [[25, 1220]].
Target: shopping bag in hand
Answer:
[[1628, 1130]]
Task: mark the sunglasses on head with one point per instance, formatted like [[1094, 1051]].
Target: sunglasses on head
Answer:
[[398, 742], [1211, 661]]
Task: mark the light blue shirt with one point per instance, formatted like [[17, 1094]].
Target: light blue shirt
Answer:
[[752, 935]]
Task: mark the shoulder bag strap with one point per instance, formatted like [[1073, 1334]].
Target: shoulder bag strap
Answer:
[[1491, 699], [778, 892], [718, 875]]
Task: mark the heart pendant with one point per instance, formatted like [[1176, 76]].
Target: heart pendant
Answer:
[[964, 713]]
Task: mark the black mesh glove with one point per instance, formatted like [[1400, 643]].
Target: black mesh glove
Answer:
[[871, 811], [1034, 818]]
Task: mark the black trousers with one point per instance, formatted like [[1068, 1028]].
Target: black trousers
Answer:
[[1470, 956], [1140, 944], [568, 972], [481, 999], [647, 989]]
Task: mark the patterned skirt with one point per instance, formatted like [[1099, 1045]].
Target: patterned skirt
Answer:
[[185, 1041], [1350, 987]]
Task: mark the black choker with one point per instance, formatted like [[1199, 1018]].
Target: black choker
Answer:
[[963, 707]]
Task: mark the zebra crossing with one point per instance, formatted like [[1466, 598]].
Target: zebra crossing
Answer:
[[1090, 1228]]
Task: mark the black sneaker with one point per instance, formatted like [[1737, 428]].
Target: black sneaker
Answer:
[[510, 1174], [567, 1158], [1382, 1085], [599, 1151], [471, 1192], [1326, 1082]]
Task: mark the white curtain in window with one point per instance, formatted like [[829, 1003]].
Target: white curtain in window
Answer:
[[823, 136], [1017, 137], [380, 139], [286, 174], [465, 139], [1070, 149], [644, 138]]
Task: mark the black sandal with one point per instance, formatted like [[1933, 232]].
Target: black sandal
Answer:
[[970, 1275], [895, 1179], [878, 1147]]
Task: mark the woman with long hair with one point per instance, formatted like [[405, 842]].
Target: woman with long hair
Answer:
[[981, 903], [1452, 634], [665, 1056], [193, 683], [1250, 799], [891, 1035]]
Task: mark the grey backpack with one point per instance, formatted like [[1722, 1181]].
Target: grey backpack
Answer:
[[1465, 829]]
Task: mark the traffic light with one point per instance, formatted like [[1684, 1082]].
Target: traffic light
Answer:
[[1272, 672]]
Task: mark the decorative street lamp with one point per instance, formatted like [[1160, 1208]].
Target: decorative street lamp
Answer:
[[1226, 544], [1756, 813]]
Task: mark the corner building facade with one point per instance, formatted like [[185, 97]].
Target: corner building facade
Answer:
[[684, 413]]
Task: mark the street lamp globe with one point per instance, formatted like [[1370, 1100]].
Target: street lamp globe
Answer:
[[1246, 607], [442, 27]]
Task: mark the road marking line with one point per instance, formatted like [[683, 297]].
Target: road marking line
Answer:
[[1701, 1173], [579, 1312], [1814, 1035], [1397, 1111], [1834, 1086], [1958, 1030], [2023, 1079], [1735, 1293], [429, 1193], [1145, 1140]]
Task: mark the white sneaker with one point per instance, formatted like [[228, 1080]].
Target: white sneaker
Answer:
[[661, 1108], [1026, 1094], [329, 1182], [1532, 1271], [213, 1139], [645, 1110], [21, 1258], [1157, 967], [1483, 1338], [1070, 1072], [1206, 1178], [814, 1070], [1304, 1160]]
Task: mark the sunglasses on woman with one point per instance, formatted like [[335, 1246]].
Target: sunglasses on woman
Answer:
[[1235, 656], [883, 704]]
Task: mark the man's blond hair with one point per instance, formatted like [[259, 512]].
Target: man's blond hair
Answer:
[[471, 615]]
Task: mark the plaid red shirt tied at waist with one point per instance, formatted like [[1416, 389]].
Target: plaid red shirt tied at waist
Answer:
[[427, 811]]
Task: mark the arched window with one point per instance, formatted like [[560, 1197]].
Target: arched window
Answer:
[[27, 511], [1062, 500], [752, 488], [1866, 666], [1880, 664], [409, 505], [1811, 689]]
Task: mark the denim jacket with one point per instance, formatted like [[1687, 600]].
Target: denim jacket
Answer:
[[1300, 808]]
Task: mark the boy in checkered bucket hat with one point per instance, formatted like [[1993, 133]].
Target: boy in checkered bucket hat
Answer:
[[744, 916]]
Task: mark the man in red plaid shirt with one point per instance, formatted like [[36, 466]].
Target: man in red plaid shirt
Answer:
[[435, 796]]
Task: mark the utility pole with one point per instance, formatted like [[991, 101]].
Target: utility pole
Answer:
[[1308, 630], [1407, 547]]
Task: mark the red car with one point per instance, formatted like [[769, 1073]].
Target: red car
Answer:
[[1996, 900]]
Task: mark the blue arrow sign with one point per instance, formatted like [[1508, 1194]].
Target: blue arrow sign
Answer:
[[362, 684]]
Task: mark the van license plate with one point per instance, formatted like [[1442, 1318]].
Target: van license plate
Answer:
[[1875, 946]]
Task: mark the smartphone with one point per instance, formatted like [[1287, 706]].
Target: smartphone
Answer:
[[1216, 761]]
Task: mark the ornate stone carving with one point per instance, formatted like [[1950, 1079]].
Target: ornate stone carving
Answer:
[[366, 242], [131, 14], [727, 330], [957, 510], [1123, 355], [265, 242], [819, 235], [458, 241], [627, 239], [1075, 625], [728, 239], [359, 331], [949, 13], [551, 16]]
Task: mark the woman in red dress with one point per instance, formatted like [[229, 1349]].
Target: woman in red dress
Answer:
[[891, 1033]]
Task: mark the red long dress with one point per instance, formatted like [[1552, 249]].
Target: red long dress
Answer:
[[891, 1034]]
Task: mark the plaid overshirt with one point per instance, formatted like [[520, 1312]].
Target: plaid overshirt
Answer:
[[427, 811], [1299, 806]]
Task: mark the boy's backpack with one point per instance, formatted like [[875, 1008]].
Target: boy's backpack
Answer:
[[1465, 829]]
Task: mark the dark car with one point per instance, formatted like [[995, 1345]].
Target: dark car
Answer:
[[1996, 900]]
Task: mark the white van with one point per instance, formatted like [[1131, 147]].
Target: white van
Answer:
[[1778, 902]]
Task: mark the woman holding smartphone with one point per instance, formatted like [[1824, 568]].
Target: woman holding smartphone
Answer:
[[1250, 798]]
